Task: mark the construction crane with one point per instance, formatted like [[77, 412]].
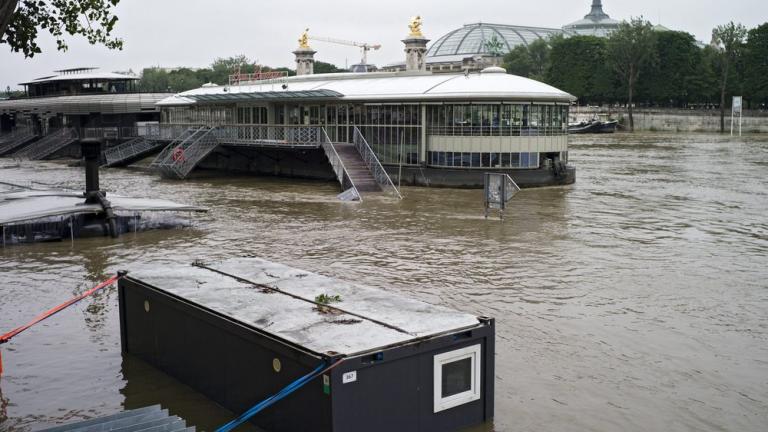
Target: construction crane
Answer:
[[364, 47]]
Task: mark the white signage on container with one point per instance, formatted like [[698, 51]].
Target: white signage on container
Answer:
[[349, 377]]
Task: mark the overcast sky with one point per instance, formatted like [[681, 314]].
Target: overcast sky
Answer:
[[172, 33]]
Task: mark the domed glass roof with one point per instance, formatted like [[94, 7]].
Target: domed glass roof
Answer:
[[482, 38]]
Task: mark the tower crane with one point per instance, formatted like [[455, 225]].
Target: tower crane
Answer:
[[364, 47]]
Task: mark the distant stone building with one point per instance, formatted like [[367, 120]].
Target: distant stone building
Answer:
[[477, 46], [595, 23]]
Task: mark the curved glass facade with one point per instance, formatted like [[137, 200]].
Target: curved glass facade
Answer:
[[472, 39], [497, 119]]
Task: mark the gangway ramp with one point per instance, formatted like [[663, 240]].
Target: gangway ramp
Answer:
[[47, 145], [12, 143], [357, 170], [180, 160], [130, 151]]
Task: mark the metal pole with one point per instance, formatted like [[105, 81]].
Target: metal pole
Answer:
[[732, 119], [3, 236], [71, 230], [740, 115]]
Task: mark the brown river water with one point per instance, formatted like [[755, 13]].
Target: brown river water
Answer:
[[634, 300]]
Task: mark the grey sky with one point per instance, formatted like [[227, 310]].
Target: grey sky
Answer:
[[193, 33]]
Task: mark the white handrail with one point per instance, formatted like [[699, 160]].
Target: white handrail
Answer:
[[333, 157], [373, 163]]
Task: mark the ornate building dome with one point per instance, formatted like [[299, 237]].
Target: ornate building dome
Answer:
[[484, 39], [595, 23]]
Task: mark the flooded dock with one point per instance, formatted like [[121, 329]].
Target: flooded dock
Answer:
[[634, 299]]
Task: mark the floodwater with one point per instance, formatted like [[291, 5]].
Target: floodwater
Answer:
[[634, 300]]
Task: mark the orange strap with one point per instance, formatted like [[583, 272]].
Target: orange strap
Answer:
[[50, 312]]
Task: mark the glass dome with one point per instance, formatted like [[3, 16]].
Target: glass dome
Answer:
[[482, 38]]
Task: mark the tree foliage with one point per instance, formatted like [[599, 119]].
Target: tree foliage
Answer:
[[756, 65], [728, 39], [92, 19], [672, 79], [579, 66], [183, 79], [631, 48]]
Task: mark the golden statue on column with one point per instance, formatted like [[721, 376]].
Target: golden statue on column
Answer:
[[304, 40], [415, 26]]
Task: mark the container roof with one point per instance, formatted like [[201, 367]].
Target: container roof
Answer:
[[31, 205], [244, 289], [384, 86]]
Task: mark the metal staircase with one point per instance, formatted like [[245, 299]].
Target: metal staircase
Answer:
[[130, 151], [373, 165], [47, 145], [11, 142], [178, 161], [350, 192], [176, 141]]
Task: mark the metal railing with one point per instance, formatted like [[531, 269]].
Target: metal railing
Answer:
[[48, 144], [185, 156], [342, 175], [166, 154], [15, 139], [270, 135], [373, 163], [129, 150]]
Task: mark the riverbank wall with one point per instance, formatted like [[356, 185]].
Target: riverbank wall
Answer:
[[676, 120]]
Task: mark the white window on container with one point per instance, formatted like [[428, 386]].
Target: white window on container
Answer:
[[457, 377]]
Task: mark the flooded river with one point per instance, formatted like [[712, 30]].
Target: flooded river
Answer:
[[634, 300]]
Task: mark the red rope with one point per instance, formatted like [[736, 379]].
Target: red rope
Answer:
[[50, 312]]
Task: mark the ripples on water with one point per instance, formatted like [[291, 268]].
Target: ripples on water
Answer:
[[636, 299]]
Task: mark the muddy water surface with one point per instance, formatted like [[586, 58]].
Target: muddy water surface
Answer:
[[635, 300]]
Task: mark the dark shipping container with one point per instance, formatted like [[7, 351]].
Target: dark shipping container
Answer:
[[240, 330]]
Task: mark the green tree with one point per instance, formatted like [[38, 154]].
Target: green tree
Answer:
[[154, 80], [670, 80], [756, 64], [518, 61], [728, 39], [22, 20], [578, 66], [323, 67], [704, 82], [631, 48], [531, 61]]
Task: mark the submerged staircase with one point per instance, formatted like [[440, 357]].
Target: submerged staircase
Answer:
[[181, 156], [357, 170], [47, 145], [130, 151], [149, 419], [11, 143]]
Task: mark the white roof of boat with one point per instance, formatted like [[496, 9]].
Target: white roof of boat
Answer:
[[382, 86], [82, 76], [30, 205], [244, 289]]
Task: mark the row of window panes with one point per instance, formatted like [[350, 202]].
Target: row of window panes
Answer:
[[483, 160], [497, 119], [252, 115], [197, 115]]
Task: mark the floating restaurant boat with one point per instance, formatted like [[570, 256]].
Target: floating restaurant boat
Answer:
[[369, 131], [241, 329]]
